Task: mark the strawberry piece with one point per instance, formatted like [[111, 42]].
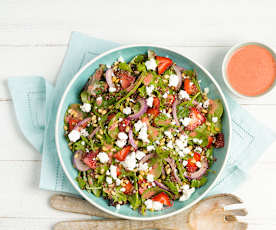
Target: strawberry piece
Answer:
[[126, 79], [163, 64], [210, 142], [123, 124], [148, 79], [122, 154], [163, 198], [190, 87], [128, 188], [170, 99], [118, 171], [90, 159], [72, 123], [197, 119], [191, 166], [197, 156]]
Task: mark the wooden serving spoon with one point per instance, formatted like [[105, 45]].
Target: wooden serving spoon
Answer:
[[208, 214]]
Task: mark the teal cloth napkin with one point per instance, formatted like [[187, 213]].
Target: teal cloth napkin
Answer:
[[36, 102]]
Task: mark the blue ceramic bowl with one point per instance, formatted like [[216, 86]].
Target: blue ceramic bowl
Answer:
[[71, 95]]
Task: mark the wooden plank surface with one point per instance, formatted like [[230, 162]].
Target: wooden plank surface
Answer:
[[34, 36]]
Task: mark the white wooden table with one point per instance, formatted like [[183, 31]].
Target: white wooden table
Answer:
[[34, 37]]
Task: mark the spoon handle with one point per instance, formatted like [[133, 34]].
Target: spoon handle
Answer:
[[76, 205]]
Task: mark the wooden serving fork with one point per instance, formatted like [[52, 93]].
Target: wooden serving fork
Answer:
[[208, 214]]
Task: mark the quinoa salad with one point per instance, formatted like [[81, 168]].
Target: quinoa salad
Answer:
[[144, 133]]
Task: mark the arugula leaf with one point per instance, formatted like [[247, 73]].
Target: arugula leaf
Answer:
[[210, 157], [125, 66], [171, 186]]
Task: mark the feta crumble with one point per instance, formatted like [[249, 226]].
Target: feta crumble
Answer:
[[112, 89], [150, 101], [198, 149], [74, 135], [173, 80], [185, 163], [151, 64], [84, 133], [127, 110], [215, 119], [103, 157], [130, 161], [121, 59], [197, 141], [149, 89], [150, 178], [143, 135], [165, 95], [113, 171], [118, 206], [206, 104], [143, 167], [187, 192], [186, 121], [198, 164], [150, 148], [108, 180], [155, 205], [122, 136], [206, 90], [139, 155], [86, 107], [118, 182], [184, 95], [168, 134], [121, 143], [138, 125], [170, 145]]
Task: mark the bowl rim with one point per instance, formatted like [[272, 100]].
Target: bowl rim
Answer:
[[71, 179], [225, 62]]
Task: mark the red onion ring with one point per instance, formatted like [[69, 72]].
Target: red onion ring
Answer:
[[199, 173], [146, 158], [172, 164], [177, 70], [131, 140], [81, 123], [142, 110], [77, 161], [108, 77], [160, 185], [174, 112], [93, 133]]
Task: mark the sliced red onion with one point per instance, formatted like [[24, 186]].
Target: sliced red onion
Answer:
[[142, 110], [77, 161], [160, 185], [108, 78], [175, 113], [177, 70], [146, 158], [199, 173], [174, 170], [81, 123], [93, 133], [131, 140]]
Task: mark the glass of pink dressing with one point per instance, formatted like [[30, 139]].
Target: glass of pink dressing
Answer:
[[249, 69]]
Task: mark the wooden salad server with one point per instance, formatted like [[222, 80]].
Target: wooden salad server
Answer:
[[208, 214]]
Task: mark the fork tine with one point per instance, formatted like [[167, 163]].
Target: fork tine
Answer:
[[236, 212]]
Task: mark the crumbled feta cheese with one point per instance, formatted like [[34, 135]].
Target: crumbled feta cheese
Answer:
[[151, 64], [168, 134], [186, 194], [86, 107], [123, 189], [83, 143], [127, 110], [120, 119], [206, 104], [143, 167], [150, 148], [139, 155], [107, 173], [157, 205], [180, 144], [184, 163], [149, 89], [173, 80], [157, 142], [206, 90], [148, 204], [103, 157], [118, 182], [197, 141], [143, 135], [150, 101], [165, 95], [130, 161], [198, 149], [170, 145], [84, 133], [150, 178], [112, 89], [108, 180], [121, 59], [184, 95], [138, 125], [74, 135], [121, 143], [167, 114], [183, 137], [186, 121], [122, 136], [198, 164], [113, 171], [118, 206], [215, 119]]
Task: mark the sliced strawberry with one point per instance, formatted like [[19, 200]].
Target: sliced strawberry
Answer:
[[118, 171], [197, 119], [90, 159], [170, 99], [72, 123], [122, 154], [123, 124], [190, 87], [191, 166], [148, 79], [129, 188], [163, 198], [197, 156], [153, 112], [126, 79], [210, 141], [163, 64]]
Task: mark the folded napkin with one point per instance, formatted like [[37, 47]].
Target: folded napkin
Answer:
[[36, 102]]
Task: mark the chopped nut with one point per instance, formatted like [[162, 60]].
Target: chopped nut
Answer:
[[65, 127], [127, 129], [104, 112]]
